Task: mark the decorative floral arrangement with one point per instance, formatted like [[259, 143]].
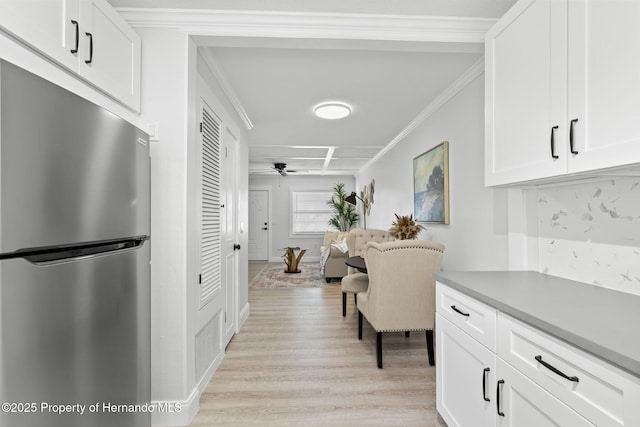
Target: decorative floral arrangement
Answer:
[[405, 228]]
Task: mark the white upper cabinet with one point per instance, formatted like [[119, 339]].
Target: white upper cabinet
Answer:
[[49, 26], [525, 101], [111, 53], [604, 83], [87, 37], [562, 94]]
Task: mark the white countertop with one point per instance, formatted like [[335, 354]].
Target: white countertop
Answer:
[[603, 322]]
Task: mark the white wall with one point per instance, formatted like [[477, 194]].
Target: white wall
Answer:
[[165, 59], [280, 223], [169, 97], [476, 238]]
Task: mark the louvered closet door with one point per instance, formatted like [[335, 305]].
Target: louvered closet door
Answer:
[[210, 285]]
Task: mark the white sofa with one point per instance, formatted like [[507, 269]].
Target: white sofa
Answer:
[[333, 254]]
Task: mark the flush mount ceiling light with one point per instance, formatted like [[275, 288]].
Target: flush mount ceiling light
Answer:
[[332, 110]]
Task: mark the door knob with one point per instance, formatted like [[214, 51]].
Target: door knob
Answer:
[[264, 228], [236, 247]]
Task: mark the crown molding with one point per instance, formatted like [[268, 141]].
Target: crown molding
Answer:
[[461, 82], [227, 88], [311, 25]]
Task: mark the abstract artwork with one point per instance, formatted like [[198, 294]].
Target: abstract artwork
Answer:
[[431, 185]]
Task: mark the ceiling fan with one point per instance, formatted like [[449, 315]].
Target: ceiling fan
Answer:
[[281, 168]]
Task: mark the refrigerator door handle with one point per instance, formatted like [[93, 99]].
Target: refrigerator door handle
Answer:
[[66, 253]]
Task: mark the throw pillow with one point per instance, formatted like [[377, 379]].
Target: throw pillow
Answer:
[[341, 246]]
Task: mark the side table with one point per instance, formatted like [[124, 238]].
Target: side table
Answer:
[[291, 259]]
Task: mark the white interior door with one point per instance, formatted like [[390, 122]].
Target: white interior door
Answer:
[[210, 304], [229, 229], [258, 225]]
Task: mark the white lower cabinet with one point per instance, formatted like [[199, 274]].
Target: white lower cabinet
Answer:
[[522, 403], [525, 378], [465, 369], [601, 393]]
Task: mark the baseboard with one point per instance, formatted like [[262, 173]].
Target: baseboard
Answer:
[[182, 413], [179, 413], [244, 315]]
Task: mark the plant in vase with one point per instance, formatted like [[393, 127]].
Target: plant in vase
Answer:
[[344, 216], [405, 227]]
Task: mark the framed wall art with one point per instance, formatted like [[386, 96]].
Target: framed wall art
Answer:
[[431, 185]]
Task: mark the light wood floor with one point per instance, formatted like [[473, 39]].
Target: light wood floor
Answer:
[[298, 362]]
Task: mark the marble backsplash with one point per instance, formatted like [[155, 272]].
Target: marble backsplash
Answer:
[[590, 232]]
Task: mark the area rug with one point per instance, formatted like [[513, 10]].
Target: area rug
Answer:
[[273, 276]]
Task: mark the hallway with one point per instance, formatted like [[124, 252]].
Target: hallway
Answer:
[[297, 361]]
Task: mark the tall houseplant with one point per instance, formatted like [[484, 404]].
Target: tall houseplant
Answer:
[[344, 216]]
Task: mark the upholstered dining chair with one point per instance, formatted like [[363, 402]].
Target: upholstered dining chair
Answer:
[[356, 281], [401, 295]]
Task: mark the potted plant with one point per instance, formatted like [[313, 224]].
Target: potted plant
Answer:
[[405, 227], [344, 216]]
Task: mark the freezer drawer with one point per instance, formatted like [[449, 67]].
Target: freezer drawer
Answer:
[[76, 333]]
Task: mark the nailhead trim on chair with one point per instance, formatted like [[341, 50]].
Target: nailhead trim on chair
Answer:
[[412, 247]]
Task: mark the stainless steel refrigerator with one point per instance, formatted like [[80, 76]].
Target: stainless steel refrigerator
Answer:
[[74, 260]]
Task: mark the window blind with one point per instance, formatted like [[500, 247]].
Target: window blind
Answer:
[[310, 212]]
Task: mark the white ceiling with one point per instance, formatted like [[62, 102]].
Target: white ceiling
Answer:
[[277, 81]]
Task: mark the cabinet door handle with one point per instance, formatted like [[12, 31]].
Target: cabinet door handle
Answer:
[[457, 310], [500, 382], [88, 61], [553, 142], [75, 49], [556, 370], [573, 122], [484, 384]]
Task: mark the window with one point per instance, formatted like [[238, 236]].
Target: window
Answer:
[[309, 211]]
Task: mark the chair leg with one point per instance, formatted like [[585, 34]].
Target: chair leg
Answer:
[[430, 347], [355, 299], [379, 349], [359, 325], [407, 334], [344, 304]]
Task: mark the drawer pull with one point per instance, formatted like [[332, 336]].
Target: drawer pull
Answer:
[[553, 142], [90, 60], [457, 310], [573, 122], [500, 382], [555, 370], [75, 49], [484, 384]]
